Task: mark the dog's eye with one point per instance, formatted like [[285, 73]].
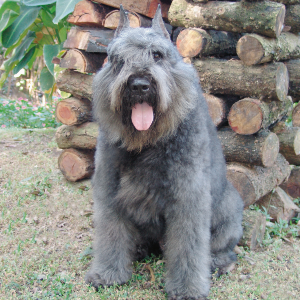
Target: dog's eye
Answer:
[[157, 55]]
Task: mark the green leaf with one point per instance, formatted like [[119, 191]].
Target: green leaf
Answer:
[[63, 8], [11, 34], [47, 19], [51, 51], [13, 47], [37, 2], [11, 5], [23, 62], [46, 80], [7, 19], [63, 34]]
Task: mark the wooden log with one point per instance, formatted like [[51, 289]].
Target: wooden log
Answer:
[[73, 111], [89, 39], [232, 77], [253, 182], [288, 2], [292, 18], [279, 205], [260, 149], [289, 140], [87, 13], [78, 84], [293, 67], [81, 61], [230, 16], [292, 185], [146, 7], [254, 227], [219, 107], [193, 42], [296, 116], [76, 164], [83, 136], [254, 49], [248, 115]]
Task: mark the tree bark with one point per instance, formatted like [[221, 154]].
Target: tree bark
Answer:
[[254, 227], [230, 16], [292, 17], [87, 13], [219, 107], [82, 61], [76, 164], [73, 111], [254, 49], [260, 149], [146, 7], [248, 116], [89, 39], [83, 136], [193, 42], [293, 67], [296, 116], [79, 85], [289, 140], [279, 205], [292, 184], [232, 77], [253, 182]]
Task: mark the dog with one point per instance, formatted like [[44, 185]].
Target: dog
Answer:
[[160, 174]]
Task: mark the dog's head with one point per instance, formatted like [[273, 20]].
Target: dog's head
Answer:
[[145, 90]]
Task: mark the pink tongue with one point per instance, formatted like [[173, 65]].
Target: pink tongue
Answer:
[[142, 116]]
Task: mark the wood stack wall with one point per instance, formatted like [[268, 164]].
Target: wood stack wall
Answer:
[[247, 55]]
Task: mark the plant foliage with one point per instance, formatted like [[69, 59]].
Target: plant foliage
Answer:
[[32, 28]]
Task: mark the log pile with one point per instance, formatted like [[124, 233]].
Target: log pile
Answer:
[[247, 54]]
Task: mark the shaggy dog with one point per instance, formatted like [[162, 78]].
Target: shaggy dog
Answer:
[[160, 172]]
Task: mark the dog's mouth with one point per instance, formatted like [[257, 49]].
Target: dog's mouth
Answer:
[[142, 116]]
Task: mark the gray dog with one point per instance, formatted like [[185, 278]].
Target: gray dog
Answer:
[[160, 173]]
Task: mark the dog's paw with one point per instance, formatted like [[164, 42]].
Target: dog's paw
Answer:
[[186, 298], [95, 280]]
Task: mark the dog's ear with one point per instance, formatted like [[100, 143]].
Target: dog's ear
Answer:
[[158, 23], [123, 23]]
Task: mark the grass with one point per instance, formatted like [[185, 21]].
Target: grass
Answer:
[[46, 235]]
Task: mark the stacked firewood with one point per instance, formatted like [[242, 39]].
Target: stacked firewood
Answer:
[[247, 55]]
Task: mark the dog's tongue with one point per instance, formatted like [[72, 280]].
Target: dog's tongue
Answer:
[[142, 116]]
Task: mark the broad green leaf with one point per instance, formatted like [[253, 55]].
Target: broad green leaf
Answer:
[[46, 79], [47, 19], [24, 61], [63, 34], [11, 34], [11, 5], [2, 79], [51, 51], [13, 47], [37, 2], [7, 19], [63, 8]]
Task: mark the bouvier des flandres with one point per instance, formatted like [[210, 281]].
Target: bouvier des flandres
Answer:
[[160, 173]]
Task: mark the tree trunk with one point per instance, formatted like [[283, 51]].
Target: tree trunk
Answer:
[[292, 184], [193, 42], [82, 61], [83, 136], [73, 111], [146, 7], [260, 149], [248, 116], [254, 227], [79, 85], [296, 116], [293, 67], [253, 182], [87, 13], [292, 17], [219, 107], [230, 16], [89, 39], [254, 49], [279, 205], [289, 139], [232, 77], [76, 164]]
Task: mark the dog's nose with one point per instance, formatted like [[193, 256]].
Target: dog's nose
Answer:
[[139, 85]]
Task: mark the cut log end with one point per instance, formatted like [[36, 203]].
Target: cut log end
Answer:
[[250, 50], [280, 21], [270, 150], [112, 20]]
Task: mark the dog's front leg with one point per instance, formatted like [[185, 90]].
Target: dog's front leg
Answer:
[[187, 248]]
